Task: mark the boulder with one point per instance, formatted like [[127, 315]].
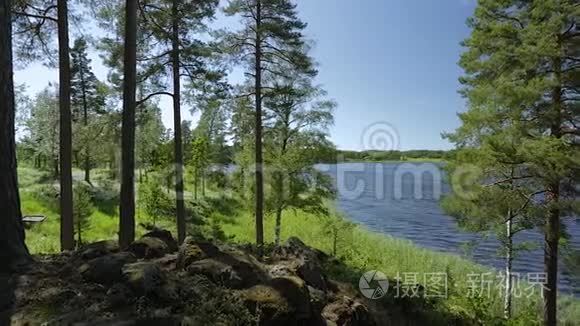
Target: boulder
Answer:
[[149, 247], [283, 301], [347, 312], [318, 299], [311, 272], [97, 249], [167, 262], [301, 260], [191, 251], [144, 278], [106, 269], [231, 271], [295, 248], [165, 236]]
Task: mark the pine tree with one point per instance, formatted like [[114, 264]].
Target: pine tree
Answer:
[[269, 42], [34, 23], [127, 200], [64, 98], [14, 250], [87, 102], [179, 53], [500, 197], [82, 209], [524, 57]]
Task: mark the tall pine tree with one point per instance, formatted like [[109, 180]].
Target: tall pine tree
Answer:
[[523, 56], [88, 101], [35, 25], [174, 26], [269, 42], [127, 200]]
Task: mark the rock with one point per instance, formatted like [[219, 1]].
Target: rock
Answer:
[[295, 248], [282, 269], [233, 269], [168, 262], [165, 236], [106, 269], [191, 251], [318, 299], [347, 312], [149, 247], [284, 301], [144, 278], [311, 272], [301, 260], [118, 295], [56, 295], [97, 249]]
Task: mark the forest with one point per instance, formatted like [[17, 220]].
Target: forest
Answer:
[[111, 217]]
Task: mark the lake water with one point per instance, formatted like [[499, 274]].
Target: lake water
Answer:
[[402, 200]]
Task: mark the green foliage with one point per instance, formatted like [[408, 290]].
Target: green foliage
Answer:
[[340, 232], [42, 129], [82, 209], [150, 152], [199, 160], [155, 202]]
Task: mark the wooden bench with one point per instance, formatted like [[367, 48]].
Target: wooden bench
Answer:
[[33, 218]]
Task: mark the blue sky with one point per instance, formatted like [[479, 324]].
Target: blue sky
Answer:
[[390, 61]]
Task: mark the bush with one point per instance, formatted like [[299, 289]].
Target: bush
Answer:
[[155, 202], [82, 209]]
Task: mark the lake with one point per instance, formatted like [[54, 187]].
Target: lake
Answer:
[[402, 200]]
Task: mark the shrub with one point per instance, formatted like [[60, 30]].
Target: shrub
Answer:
[[82, 209], [155, 202]]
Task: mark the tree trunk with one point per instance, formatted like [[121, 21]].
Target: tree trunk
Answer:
[[177, 125], [87, 162], [195, 184], [259, 161], [551, 242], [552, 229], [127, 202], [79, 233], [279, 182], [278, 228], [67, 241], [203, 183], [55, 168], [14, 250], [508, 267]]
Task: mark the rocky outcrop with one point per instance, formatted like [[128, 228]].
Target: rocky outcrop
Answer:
[[156, 282], [106, 269]]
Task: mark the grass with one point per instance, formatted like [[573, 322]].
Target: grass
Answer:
[[360, 249]]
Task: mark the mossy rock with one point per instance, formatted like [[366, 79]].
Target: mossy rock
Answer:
[[283, 301], [149, 247], [191, 251]]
